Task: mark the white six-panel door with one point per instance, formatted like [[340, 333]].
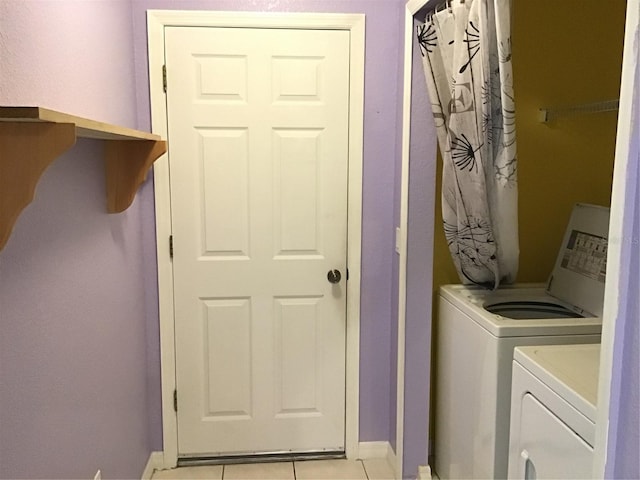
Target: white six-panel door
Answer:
[[258, 148]]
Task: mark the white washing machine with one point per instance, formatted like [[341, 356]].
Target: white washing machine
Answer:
[[553, 412], [478, 329]]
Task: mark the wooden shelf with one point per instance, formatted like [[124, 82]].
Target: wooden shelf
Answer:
[[31, 138]]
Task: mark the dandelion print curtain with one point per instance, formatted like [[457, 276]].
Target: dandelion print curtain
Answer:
[[466, 50]]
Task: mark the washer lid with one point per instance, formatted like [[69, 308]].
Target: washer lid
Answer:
[[579, 273]]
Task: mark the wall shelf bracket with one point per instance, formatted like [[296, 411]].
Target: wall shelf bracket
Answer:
[[31, 138], [26, 150], [126, 165]]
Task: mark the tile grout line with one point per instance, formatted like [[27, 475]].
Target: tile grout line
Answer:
[[366, 474], [375, 474]]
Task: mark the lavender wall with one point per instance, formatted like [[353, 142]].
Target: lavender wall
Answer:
[[624, 409], [72, 320], [381, 152], [422, 169], [624, 433], [78, 301]]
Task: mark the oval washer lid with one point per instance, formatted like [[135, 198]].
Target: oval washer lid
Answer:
[[579, 273]]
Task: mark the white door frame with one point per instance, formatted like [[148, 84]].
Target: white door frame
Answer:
[[411, 8], [619, 214], [157, 20]]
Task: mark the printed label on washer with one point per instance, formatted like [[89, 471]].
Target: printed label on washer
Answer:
[[586, 254]]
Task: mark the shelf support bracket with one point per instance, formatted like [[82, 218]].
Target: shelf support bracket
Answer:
[[126, 164], [26, 150]]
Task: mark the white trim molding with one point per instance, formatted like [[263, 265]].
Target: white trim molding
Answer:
[[392, 460], [424, 472], [155, 462], [367, 450], [157, 20], [411, 8], [371, 450], [402, 241]]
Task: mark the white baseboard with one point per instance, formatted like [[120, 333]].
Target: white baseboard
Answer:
[[392, 460], [155, 462], [424, 473], [369, 450]]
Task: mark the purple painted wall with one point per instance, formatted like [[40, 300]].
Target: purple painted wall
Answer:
[[72, 320], [381, 152], [79, 354], [422, 183], [624, 432], [624, 409]]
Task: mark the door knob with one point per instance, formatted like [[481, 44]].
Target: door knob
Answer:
[[334, 276]]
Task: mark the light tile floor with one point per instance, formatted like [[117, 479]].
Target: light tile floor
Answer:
[[372, 469]]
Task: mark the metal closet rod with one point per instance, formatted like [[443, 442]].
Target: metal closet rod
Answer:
[[550, 113]]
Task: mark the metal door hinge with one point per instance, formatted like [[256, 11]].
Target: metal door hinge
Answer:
[[170, 246], [164, 78], [175, 400]]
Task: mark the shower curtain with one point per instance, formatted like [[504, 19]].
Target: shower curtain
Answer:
[[466, 50]]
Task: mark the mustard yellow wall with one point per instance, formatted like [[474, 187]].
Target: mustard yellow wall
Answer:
[[565, 52]]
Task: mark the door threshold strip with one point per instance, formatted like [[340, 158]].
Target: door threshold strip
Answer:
[[260, 458]]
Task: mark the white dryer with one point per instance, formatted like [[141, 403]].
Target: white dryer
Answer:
[[553, 411], [478, 329]]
